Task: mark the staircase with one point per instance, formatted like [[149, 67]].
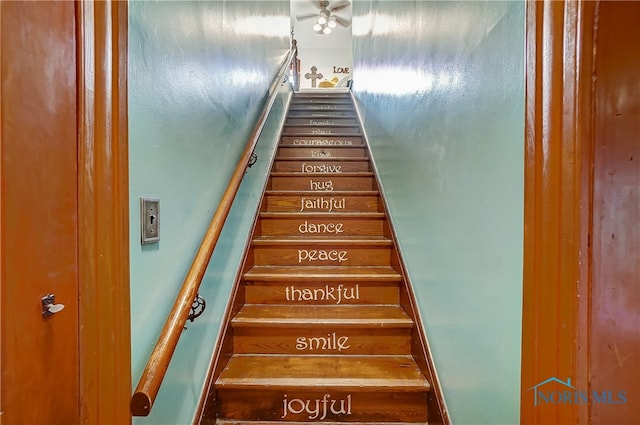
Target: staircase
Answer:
[[322, 329]]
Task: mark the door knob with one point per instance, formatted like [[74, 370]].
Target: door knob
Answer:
[[49, 306]]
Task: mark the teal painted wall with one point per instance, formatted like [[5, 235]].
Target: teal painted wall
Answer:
[[441, 89], [198, 76]]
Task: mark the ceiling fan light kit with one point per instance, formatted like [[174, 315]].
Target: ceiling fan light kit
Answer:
[[326, 19]]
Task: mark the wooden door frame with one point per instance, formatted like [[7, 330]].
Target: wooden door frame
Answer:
[[103, 212], [560, 39]]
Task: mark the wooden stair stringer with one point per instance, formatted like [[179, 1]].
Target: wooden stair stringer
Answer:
[[223, 422]]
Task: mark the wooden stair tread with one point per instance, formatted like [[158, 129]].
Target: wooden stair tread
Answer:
[[326, 93], [305, 100], [338, 126], [323, 273], [318, 108], [334, 122], [295, 106], [304, 215], [306, 95], [322, 114], [298, 113], [318, 372], [312, 97], [227, 422], [346, 103], [323, 193], [333, 240], [332, 159], [362, 316], [352, 130], [321, 136], [327, 175], [312, 134], [322, 101]]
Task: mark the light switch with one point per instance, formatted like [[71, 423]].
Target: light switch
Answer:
[[150, 220]]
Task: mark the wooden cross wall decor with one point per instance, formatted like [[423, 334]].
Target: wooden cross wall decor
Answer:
[[313, 76]]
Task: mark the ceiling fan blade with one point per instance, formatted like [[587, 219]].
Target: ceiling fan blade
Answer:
[[304, 16], [344, 22], [339, 6]]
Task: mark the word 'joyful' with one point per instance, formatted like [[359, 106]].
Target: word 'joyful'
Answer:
[[327, 204], [316, 409], [331, 342], [321, 168], [323, 142], [338, 294], [312, 255], [307, 227], [326, 185]]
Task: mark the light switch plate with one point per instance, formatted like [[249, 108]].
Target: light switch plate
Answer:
[[149, 220]]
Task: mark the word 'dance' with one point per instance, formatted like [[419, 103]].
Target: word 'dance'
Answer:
[[310, 227]]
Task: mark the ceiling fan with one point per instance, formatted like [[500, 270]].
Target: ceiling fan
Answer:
[[326, 18]]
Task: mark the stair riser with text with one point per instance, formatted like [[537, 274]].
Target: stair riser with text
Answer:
[[323, 142], [320, 165], [312, 102], [322, 122], [278, 201], [312, 131], [320, 114], [319, 224], [334, 152], [295, 292], [321, 182], [321, 254], [308, 406]]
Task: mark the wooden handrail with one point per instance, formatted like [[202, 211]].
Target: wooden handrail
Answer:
[[294, 67], [158, 363]]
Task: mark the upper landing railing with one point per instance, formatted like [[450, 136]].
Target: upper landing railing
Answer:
[[158, 363]]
